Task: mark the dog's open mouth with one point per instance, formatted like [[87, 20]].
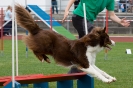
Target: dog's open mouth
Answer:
[[111, 44], [108, 47]]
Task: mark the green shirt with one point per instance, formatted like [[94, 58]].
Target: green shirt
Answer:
[[93, 8]]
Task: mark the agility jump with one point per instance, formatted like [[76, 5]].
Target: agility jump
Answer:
[[18, 81]]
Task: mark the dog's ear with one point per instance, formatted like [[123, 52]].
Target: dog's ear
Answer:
[[97, 30], [104, 30], [100, 30]]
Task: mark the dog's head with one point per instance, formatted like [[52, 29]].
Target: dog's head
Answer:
[[103, 37]]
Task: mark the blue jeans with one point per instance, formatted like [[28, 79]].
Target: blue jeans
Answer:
[[54, 5]]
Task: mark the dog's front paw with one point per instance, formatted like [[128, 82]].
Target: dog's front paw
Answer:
[[113, 79], [107, 81]]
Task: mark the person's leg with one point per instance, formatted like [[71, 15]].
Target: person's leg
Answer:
[[77, 22], [90, 26], [125, 7], [79, 25], [10, 28], [6, 29], [74, 69], [56, 7], [52, 7]]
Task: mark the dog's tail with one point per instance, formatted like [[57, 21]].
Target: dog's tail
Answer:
[[25, 20]]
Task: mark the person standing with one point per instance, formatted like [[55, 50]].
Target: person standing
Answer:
[[93, 8], [7, 17], [54, 5]]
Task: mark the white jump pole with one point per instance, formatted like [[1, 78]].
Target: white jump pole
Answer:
[[13, 74], [85, 20], [16, 47]]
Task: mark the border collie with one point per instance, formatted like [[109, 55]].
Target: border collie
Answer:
[[79, 52]]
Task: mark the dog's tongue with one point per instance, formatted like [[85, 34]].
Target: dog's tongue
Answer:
[[108, 47]]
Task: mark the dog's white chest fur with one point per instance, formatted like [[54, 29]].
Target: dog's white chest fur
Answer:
[[91, 53]]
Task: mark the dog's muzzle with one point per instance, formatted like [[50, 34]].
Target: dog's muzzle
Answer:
[[113, 43]]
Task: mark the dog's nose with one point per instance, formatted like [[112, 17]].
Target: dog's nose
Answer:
[[113, 43]]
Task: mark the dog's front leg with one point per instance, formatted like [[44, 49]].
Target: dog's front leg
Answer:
[[92, 62], [104, 73], [96, 74], [91, 70]]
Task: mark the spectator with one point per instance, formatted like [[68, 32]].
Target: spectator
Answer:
[[7, 17], [130, 6], [124, 5], [93, 8], [122, 8], [54, 5]]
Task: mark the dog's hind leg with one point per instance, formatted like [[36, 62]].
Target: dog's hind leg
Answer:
[[95, 73], [46, 58], [104, 73], [42, 57]]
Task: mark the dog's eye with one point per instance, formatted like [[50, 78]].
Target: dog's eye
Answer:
[[107, 39]]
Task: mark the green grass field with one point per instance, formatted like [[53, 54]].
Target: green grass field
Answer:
[[118, 64]]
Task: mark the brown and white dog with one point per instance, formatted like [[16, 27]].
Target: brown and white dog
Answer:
[[79, 52]]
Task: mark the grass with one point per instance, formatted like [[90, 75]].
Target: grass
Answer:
[[118, 64]]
